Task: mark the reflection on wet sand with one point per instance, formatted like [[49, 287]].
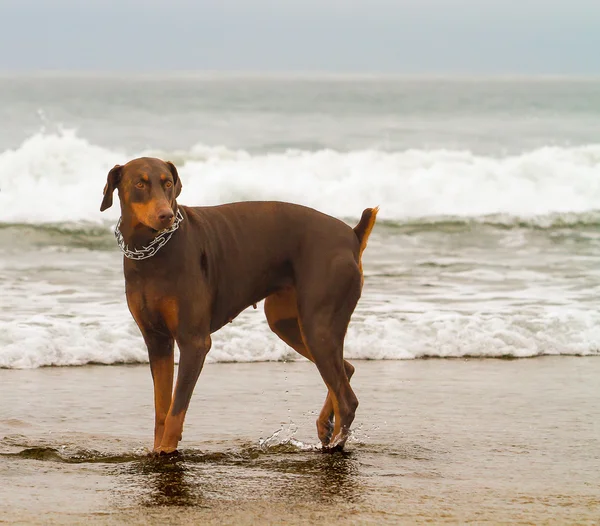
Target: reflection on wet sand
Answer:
[[281, 473], [165, 482]]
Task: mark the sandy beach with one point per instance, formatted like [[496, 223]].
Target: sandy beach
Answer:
[[435, 441]]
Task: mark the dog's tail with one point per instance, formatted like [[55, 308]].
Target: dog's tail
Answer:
[[363, 230]]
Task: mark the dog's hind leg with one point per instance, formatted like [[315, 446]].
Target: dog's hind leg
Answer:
[[281, 310], [327, 296]]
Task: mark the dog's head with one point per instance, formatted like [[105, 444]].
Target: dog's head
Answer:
[[148, 189]]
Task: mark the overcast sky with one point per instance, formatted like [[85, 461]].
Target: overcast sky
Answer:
[[391, 36]]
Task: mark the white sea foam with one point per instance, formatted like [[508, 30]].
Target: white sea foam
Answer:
[[59, 178], [110, 336]]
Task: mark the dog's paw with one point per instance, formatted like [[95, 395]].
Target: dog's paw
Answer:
[[325, 431], [332, 449], [337, 444], [160, 452]]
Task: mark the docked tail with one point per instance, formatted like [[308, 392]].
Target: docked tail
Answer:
[[363, 230]]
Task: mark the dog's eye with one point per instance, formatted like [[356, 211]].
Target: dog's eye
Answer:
[[168, 184], [140, 185]]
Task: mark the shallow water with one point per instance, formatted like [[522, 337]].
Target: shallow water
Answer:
[[453, 291], [434, 440]]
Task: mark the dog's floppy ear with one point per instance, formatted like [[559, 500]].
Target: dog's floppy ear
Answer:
[[176, 178], [112, 180]]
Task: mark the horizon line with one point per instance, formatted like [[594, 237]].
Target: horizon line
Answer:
[[282, 74]]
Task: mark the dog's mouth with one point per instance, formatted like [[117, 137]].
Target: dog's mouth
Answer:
[[156, 228], [157, 232], [157, 225]]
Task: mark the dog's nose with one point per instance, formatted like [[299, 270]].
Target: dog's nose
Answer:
[[166, 216]]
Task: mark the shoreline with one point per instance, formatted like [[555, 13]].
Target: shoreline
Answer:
[[300, 359]]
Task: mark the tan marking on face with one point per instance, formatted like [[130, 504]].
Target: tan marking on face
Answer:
[[143, 213], [147, 212], [145, 208]]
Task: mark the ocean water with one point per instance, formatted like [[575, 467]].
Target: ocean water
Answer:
[[487, 242]]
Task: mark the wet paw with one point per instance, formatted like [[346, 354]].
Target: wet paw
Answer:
[[332, 449], [163, 453], [325, 431], [338, 443]]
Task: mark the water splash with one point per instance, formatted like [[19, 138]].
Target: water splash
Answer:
[[284, 437]]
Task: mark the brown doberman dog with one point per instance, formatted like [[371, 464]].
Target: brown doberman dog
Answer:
[[191, 270]]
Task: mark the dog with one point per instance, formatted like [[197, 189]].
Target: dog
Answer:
[[191, 270]]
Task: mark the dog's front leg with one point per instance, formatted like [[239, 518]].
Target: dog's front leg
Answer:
[[160, 354], [192, 356]]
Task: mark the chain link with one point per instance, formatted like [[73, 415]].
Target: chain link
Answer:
[[155, 245]]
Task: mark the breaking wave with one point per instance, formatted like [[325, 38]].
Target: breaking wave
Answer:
[[58, 178]]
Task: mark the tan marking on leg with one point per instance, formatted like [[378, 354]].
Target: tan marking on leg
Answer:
[[134, 302], [191, 361], [169, 308], [172, 434], [162, 376], [281, 305], [281, 311]]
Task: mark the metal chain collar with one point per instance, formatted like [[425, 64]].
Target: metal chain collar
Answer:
[[155, 245]]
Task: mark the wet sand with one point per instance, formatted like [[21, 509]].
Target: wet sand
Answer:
[[435, 441]]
